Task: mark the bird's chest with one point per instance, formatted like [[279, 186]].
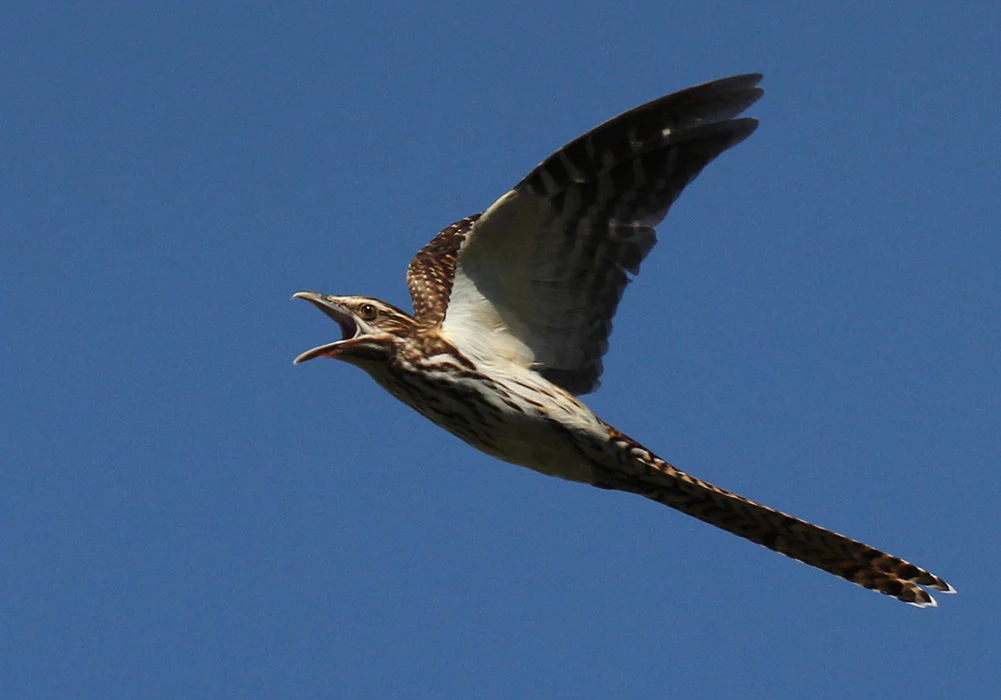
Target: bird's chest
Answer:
[[509, 418]]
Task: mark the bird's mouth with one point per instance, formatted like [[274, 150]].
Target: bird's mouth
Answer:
[[344, 318]]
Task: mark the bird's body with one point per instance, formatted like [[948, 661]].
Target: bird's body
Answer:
[[513, 309], [496, 405]]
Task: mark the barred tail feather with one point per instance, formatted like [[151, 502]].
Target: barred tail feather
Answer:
[[640, 471]]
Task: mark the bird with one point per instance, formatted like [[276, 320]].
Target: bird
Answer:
[[513, 308]]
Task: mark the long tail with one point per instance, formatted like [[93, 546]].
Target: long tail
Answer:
[[640, 471]]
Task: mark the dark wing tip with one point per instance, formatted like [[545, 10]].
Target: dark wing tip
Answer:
[[741, 129]]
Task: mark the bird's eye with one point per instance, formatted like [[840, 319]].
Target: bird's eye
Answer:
[[369, 312]]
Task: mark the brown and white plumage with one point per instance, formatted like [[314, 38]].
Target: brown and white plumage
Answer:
[[513, 310]]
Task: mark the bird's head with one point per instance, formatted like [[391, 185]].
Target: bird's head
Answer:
[[371, 329]]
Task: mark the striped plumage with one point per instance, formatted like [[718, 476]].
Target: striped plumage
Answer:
[[513, 309]]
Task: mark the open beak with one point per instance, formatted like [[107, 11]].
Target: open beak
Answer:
[[345, 319]]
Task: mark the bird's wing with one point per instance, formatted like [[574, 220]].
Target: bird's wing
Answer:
[[430, 274], [537, 277]]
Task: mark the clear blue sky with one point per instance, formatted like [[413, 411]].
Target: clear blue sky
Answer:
[[184, 514]]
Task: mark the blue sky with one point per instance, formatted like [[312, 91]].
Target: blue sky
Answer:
[[184, 514]]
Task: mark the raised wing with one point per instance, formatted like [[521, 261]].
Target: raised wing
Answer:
[[538, 277], [430, 273]]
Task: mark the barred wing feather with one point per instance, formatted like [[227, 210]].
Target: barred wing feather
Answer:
[[538, 277]]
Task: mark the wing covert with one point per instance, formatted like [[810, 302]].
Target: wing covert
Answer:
[[430, 273]]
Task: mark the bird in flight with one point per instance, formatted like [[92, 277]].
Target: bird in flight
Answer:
[[513, 309]]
